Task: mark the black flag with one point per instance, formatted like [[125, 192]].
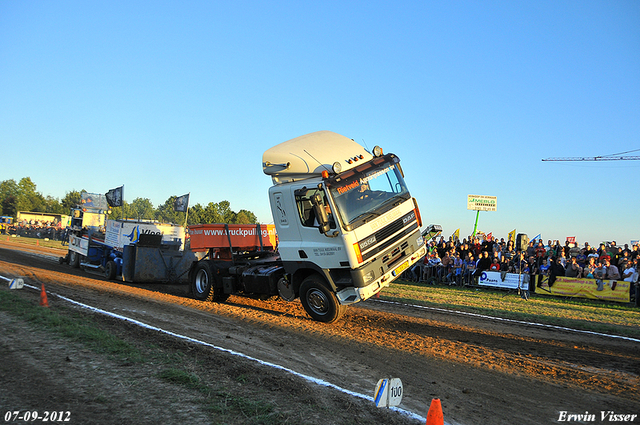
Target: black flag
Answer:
[[114, 196], [181, 204]]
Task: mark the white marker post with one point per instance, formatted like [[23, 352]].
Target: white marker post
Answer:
[[16, 284], [388, 392]]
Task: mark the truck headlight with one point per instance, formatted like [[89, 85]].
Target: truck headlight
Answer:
[[369, 276]]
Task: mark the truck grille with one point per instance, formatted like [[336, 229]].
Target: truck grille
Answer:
[[388, 236]]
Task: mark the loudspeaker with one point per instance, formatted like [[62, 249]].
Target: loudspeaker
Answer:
[[522, 242]]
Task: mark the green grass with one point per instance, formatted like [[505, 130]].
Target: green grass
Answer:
[[71, 325], [592, 315], [33, 241]]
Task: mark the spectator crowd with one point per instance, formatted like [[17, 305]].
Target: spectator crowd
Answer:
[[462, 262], [37, 229]]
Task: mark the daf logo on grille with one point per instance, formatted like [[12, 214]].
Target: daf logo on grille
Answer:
[[409, 217], [367, 242]]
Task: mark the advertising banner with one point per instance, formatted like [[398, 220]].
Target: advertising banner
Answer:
[[482, 203], [502, 280], [585, 288], [238, 237], [121, 233]]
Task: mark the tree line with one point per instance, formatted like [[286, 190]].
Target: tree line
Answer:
[[24, 196]]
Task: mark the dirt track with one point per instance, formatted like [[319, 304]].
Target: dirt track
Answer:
[[483, 371]]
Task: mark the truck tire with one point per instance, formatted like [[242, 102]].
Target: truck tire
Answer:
[[319, 301], [204, 285], [74, 259], [110, 270]]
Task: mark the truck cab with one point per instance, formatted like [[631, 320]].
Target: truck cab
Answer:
[[86, 222], [346, 222]]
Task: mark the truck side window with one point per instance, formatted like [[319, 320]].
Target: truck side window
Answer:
[[306, 212]]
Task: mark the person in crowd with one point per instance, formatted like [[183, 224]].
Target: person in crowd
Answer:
[[442, 248], [540, 252], [574, 251], [486, 245], [470, 268], [495, 265], [510, 243], [600, 272], [581, 258], [519, 263], [447, 260], [544, 267], [616, 254], [603, 253], [559, 257], [505, 265], [612, 272], [629, 272], [447, 266], [531, 250], [624, 259], [549, 250], [593, 253], [497, 251], [463, 250], [555, 270], [509, 252], [458, 267], [573, 268], [600, 275], [484, 262], [632, 276], [590, 268], [432, 265], [533, 265], [476, 248]]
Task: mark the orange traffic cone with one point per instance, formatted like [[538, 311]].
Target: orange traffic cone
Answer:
[[43, 297], [37, 242], [434, 417]]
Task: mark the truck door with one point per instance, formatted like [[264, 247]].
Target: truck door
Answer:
[[325, 250]]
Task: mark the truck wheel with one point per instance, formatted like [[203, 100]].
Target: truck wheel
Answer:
[[74, 259], [319, 301], [110, 270], [203, 284]]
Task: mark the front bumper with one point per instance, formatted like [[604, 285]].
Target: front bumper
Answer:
[[352, 295]]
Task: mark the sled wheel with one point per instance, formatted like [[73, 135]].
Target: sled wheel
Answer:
[[110, 270]]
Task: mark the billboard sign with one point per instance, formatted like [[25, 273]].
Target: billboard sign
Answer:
[[482, 203]]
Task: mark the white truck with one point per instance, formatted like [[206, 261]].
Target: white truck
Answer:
[[346, 225]]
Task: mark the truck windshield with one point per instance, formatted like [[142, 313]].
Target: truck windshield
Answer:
[[368, 190]]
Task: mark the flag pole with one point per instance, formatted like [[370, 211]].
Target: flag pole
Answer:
[[475, 226]]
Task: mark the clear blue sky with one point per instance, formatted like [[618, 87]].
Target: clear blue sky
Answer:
[[175, 97]]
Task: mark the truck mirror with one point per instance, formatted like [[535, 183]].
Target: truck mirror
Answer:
[[321, 214]]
